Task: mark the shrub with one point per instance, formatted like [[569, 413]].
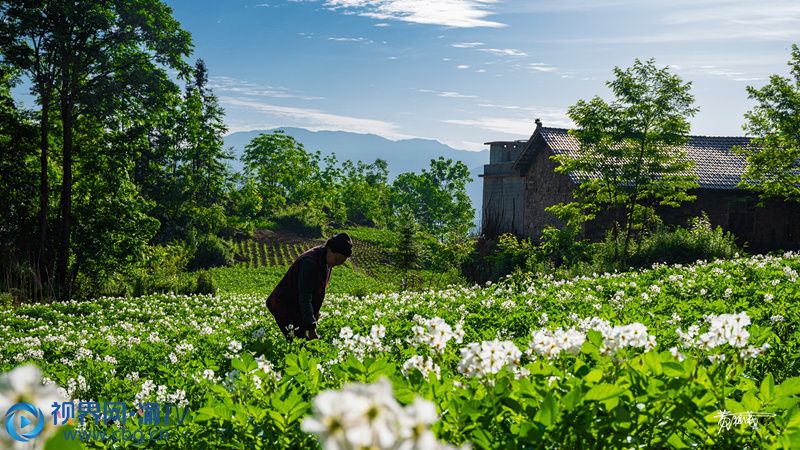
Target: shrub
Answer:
[[205, 283], [211, 251], [6, 300], [301, 219], [670, 246], [491, 260]]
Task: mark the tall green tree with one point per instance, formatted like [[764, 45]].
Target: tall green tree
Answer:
[[773, 156], [103, 53], [437, 196], [282, 169], [631, 155], [27, 43], [18, 174], [197, 181], [364, 191], [201, 149]]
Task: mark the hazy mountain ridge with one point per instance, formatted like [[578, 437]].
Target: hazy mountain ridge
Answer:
[[408, 155]]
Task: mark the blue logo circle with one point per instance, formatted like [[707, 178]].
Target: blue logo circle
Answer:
[[24, 422]]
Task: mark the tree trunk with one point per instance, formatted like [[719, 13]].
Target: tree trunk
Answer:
[[66, 189], [43, 262]]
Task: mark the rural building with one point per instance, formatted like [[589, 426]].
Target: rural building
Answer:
[[520, 181]]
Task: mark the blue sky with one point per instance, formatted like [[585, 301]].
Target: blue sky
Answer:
[[466, 72]]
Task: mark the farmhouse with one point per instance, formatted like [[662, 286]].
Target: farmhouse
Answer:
[[520, 182]]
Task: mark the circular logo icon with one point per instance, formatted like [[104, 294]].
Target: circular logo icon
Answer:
[[25, 432]]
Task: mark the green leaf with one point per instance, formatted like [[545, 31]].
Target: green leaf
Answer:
[[594, 376], [572, 399], [675, 441], [604, 391], [768, 388], [672, 369], [547, 414], [790, 386]]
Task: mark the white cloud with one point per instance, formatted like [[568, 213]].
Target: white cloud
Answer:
[[542, 67], [462, 66], [711, 20], [451, 13], [381, 24], [350, 39], [519, 122], [503, 125], [447, 94], [504, 51], [467, 44], [311, 119], [240, 87]]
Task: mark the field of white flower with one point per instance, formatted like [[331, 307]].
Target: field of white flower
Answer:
[[649, 359]]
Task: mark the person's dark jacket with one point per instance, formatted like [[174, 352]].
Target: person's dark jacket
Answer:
[[297, 298]]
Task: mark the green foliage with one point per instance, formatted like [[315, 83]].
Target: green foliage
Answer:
[[407, 252], [670, 246], [160, 271], [589, 398], [6, 300], [364, 192], [384, 238], [437, 196], [206, 283], [563, 245], [109, 61], [283, 171], [211, 251], [491, 260], [631, 147], [774, 123], [301, 219]]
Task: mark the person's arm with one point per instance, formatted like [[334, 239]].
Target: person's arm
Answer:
[[305, 285]]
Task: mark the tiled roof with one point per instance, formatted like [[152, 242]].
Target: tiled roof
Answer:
[[716, 165]]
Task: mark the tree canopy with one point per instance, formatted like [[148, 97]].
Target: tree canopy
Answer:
[[773, 156], [630, 149]]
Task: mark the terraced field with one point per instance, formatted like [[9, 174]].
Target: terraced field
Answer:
[[267, 250]]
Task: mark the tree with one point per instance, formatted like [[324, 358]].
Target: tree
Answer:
[[27, 43], [437, 196], [282, 169], [201, 153], [364, 192], [630, 154], [18, 173], [104, 54], [773, 156]]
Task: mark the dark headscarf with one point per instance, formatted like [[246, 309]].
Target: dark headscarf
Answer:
[[340, 243]]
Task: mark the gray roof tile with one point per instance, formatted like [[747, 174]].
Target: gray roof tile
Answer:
[[716, 165]]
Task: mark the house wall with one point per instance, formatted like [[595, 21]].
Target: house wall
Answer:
[[503, 203], [516, 204], [503, 190], [543, 187], [775, 225]]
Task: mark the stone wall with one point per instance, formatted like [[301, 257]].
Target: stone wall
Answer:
[[543, 187], [503, 204], [517, 204]]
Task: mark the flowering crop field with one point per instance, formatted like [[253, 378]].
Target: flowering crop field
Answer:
[[659, 358]]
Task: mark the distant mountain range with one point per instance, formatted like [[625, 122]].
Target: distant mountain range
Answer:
[[409, 155]]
